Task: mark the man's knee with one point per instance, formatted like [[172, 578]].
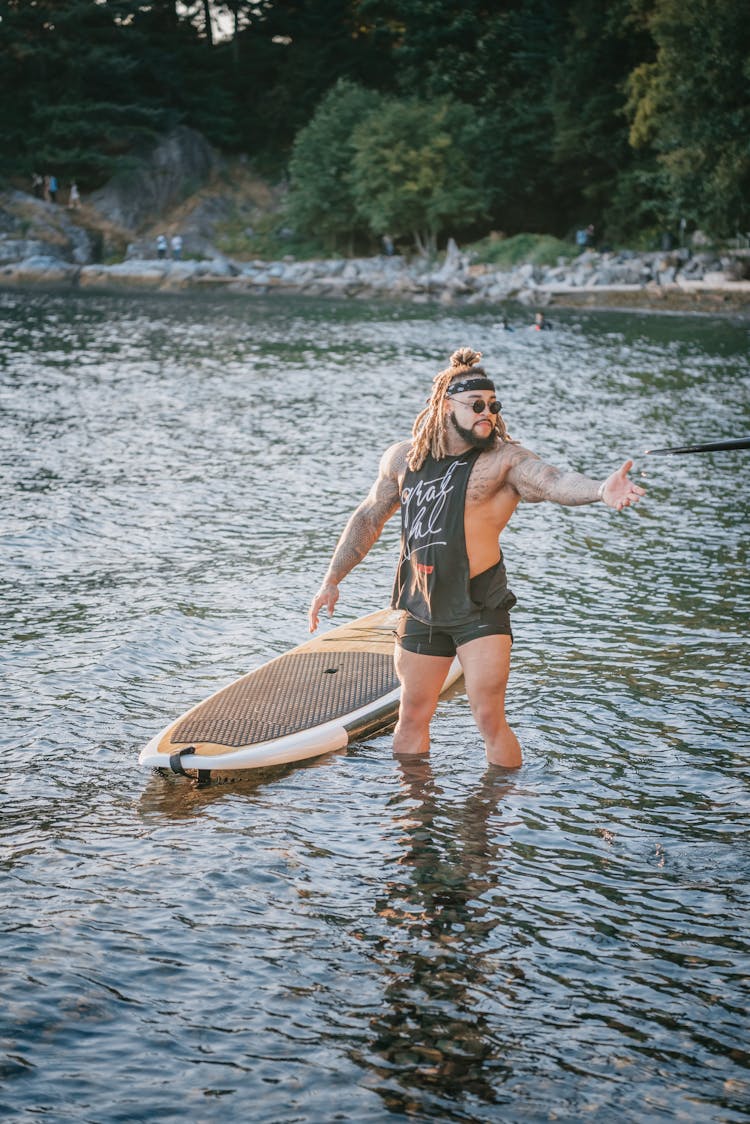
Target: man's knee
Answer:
[[488, 708], [415, 711]]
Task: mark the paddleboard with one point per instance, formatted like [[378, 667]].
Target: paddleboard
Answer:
[[319, 697]]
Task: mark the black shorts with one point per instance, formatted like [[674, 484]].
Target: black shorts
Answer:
[[427, 640]]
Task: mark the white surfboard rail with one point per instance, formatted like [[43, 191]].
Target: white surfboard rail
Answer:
[[373, 633]]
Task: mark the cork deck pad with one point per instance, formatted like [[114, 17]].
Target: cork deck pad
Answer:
[[317, 698]]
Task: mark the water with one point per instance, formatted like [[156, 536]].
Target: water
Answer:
[[353, 939]]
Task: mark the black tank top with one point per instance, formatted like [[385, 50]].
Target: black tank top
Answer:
[[432, 580]]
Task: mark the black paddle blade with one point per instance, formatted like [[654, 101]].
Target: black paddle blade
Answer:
[[708, 447]]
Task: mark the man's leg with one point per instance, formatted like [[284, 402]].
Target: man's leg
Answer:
[[421, 679], [486, 663]]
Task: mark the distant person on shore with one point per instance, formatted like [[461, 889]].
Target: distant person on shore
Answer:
[[581, 239], [456, 483], [74, 198], [540, 323], [161, 246], [388, 245], [37, 185], [53, 189], [176, 246]]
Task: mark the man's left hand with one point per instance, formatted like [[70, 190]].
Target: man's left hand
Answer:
[[619, 491]]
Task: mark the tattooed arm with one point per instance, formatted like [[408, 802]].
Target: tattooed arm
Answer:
[[362, 531], [536, 481]]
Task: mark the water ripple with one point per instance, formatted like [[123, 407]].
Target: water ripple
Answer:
[[350, 938]]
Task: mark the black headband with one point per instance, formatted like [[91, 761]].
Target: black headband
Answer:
[[469, 384]]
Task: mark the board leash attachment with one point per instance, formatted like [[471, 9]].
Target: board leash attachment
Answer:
[[175, 764], [175, 760]]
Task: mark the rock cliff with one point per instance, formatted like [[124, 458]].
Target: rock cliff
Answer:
[[161, 178]]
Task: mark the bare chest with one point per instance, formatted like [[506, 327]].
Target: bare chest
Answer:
[[485, 482]]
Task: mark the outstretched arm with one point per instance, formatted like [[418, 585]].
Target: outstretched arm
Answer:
[[536, 481], [361, 533]]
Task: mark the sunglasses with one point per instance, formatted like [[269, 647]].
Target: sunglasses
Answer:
[[479, 405]]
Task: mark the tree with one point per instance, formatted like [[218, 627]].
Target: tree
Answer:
[[320, 201], [591, 153], [414, 170], [498, 58], [690, 107], [84, 84], [292, 54]]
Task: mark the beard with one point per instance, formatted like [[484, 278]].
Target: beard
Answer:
[[472, 438]]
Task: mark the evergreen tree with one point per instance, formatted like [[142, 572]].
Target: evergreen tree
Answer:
[[86, 83], [59, 103], [591, 153], [291, 53]]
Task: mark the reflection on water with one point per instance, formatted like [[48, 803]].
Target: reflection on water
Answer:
[[354, 938], [432, 1031]]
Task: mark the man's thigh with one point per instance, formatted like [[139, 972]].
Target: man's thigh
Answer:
[[421, 677], [486, 664]]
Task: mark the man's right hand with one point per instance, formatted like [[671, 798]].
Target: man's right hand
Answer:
[[325, 598]]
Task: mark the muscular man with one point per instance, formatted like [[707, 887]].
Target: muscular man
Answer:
[[457, 482]]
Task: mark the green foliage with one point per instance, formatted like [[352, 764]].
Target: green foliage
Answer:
[[498, 60], [637, 210], [85, 84], [537, 249], [321, 203], [523, 115], [690, 106], [287, 55], [412, 172], [591, 151], [267, 239]]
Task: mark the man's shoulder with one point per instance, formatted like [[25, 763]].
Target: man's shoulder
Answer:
[[500, 461], [394, 458], [513, 451], [506, 453]]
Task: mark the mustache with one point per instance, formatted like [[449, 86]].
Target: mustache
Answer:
[[473, 439]]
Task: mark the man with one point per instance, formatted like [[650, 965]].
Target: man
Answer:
[[457, 482]]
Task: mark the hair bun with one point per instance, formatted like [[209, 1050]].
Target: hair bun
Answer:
[[465, 357]]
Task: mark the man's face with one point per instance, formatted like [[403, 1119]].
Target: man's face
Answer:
[[476, 426]]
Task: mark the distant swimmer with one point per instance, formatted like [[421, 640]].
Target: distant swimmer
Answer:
[[540, 324], [457, 482]]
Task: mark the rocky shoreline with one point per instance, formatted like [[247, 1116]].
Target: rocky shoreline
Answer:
[[594, 279], [42, 245]]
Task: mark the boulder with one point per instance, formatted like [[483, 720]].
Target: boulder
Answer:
[[40, 270], [30, 227], [20, 249], [162, 176]]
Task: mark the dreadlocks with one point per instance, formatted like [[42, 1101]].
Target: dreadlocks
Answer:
[[428, 430]]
